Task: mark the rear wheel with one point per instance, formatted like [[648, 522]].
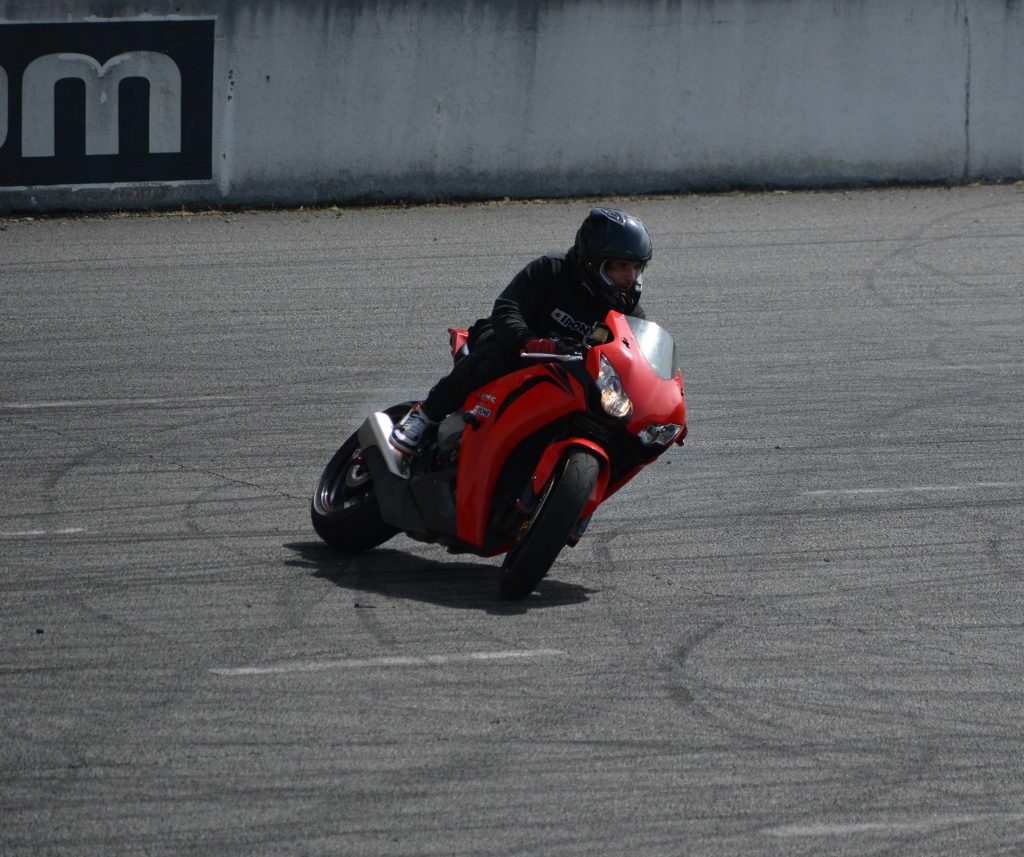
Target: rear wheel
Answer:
[[344, 507], [553, 521]]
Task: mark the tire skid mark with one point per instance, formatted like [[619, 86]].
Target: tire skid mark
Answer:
[[908, 249], [110, 446], [739, 713], [60, 472]]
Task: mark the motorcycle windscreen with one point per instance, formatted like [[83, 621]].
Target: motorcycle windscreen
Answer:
[[657, 345]]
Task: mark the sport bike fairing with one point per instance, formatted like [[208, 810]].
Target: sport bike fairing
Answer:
[[645, 360], [509, 410]]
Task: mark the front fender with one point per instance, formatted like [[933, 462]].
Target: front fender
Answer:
[[545, 469]]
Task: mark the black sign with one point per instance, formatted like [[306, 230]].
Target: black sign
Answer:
[[111, 101]]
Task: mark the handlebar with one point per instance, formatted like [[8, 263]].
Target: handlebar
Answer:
[[541, 355]]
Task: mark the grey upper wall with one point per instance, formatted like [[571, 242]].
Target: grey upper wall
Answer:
[[339, 100]]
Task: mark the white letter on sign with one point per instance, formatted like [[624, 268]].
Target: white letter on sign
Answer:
[[101, 101]]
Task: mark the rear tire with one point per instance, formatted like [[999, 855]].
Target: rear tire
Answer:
[[552, 523], [344, 508]]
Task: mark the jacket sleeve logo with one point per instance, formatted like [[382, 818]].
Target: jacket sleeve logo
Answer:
[[569, 323]]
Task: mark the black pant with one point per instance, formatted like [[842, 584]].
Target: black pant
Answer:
[[489, 359]]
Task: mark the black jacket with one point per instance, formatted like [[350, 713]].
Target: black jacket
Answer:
[[547, 298]]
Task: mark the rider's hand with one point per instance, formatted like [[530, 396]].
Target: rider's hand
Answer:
[[541, 346]]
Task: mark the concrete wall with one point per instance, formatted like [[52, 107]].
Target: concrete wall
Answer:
[[356, 100]]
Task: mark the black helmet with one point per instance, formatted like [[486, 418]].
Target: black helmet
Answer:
[[611, 234]]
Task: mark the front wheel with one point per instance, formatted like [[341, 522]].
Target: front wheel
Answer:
[[552, 523], [344, 507]]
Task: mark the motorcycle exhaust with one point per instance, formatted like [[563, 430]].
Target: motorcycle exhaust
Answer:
[[375, 432]]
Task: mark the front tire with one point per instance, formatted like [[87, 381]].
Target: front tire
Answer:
[[344, 508], [552, 523]]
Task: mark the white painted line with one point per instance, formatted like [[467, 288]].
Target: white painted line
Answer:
[[395, 661], [104, 403], [29, 534], [910, 489], [917, 825], [965, 367]]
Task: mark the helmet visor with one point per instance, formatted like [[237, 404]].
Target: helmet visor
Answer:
[[622, 274]]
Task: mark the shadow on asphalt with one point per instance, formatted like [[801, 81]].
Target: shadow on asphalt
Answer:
[[460, 585]]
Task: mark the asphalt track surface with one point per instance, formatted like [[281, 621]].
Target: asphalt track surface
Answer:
[[801, 634]]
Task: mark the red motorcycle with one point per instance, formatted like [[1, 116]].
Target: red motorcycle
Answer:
[[520, 469]]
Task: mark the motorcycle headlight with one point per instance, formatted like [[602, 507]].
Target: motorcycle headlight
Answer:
[[656, 434], [613, 398]]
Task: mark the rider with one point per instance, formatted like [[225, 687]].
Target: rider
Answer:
[[553, 297]]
